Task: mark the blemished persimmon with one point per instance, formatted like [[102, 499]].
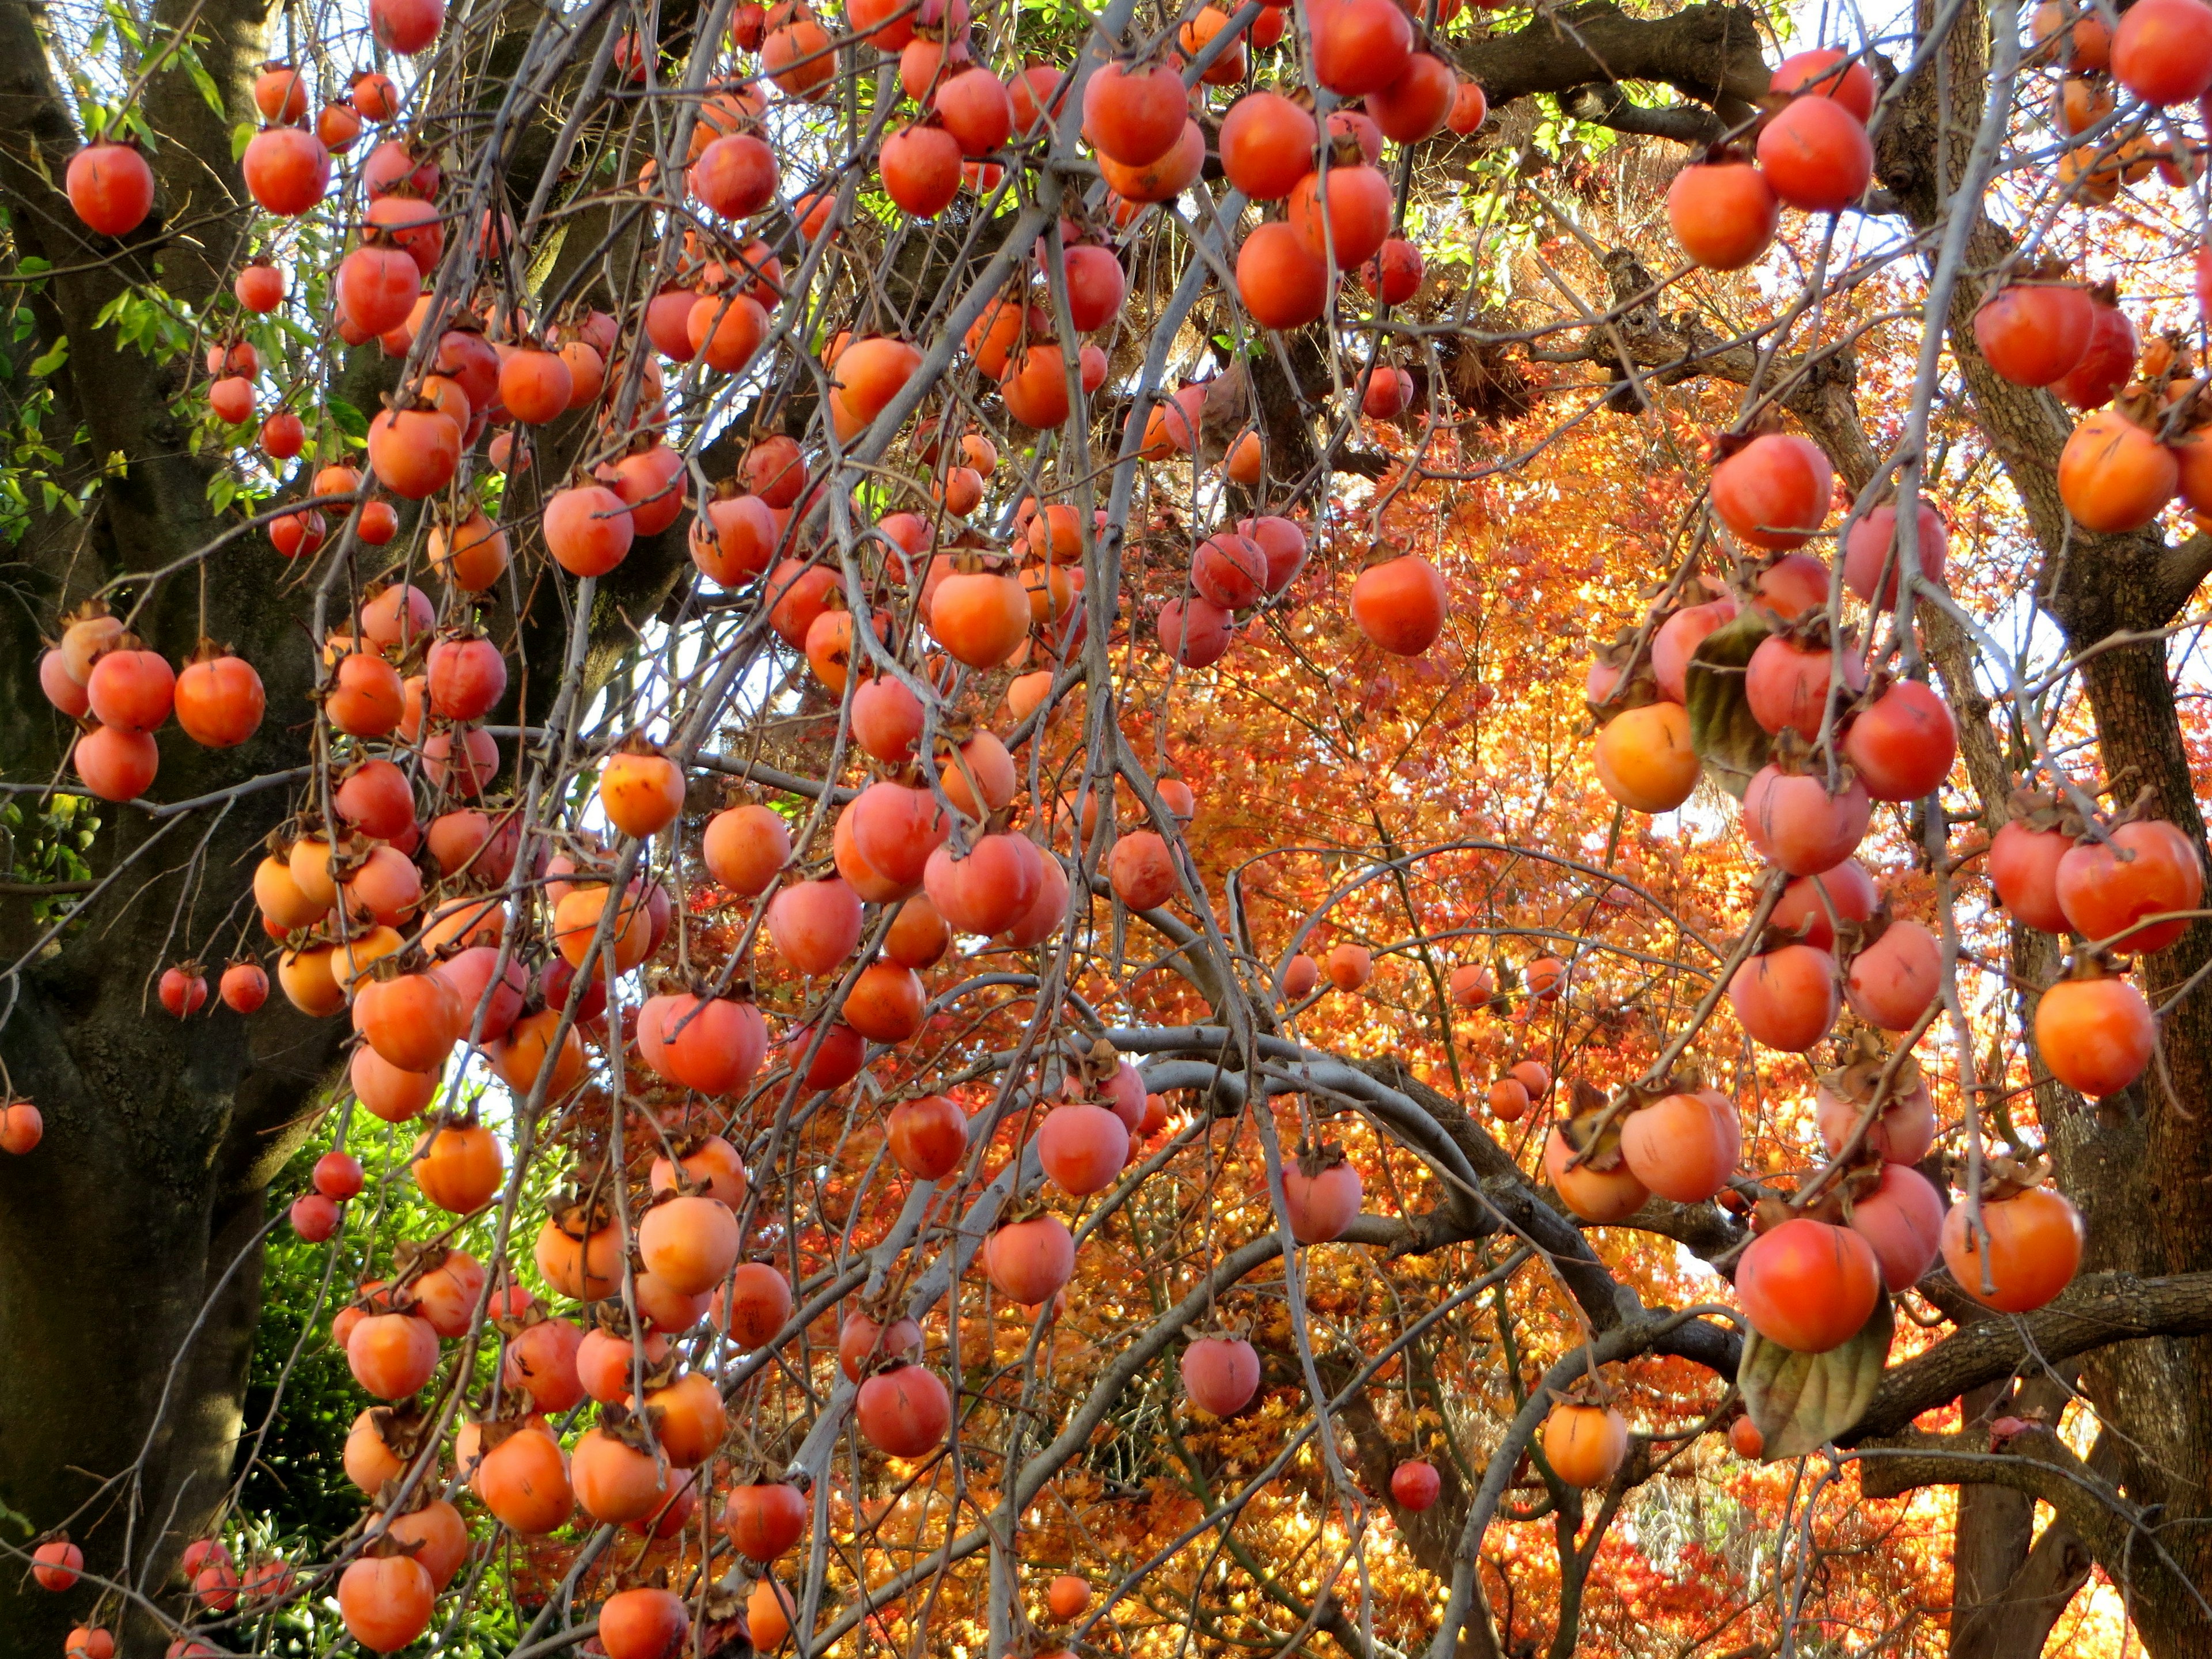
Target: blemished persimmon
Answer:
[[1220, 1375], [1786, 998], [1585, 1445], [640, 793], [904, 1411], [1594, 1193], [1683, 1145], [1809, 1285], [928, 1136], [1644, 760], [1029, 1262]]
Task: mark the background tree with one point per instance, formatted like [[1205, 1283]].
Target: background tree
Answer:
[[633, 483]]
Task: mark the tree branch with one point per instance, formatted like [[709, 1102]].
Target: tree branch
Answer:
[[1607, 106], [2039, 1465], [2096, 1311], [1712, 53]]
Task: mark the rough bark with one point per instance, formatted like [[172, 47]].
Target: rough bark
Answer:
[[1712, 53], [138, 1219], [161, 1136], [2137, 1167], [2008, 1586]]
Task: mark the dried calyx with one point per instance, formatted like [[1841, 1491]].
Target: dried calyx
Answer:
[[1858, 1078], [579, 1216], [2002, 1177], [1635, 685], [1313, 1160]]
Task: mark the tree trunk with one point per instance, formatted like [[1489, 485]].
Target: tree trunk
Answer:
[[2137, 1167], [130, 1260], [2008, 1586], [131, 1240]]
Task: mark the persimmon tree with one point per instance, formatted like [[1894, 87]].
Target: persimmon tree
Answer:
[[1026, 830]]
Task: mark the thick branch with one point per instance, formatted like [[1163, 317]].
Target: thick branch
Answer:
[[1609, 106], [2097, 1311], [2038, 1464], [1711, 53], [1603, 1299]]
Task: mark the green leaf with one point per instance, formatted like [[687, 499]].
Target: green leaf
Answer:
[[1731, 743], [241, 136], [51, 358], [1801, 1401], [346, 418], [211, 94]]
